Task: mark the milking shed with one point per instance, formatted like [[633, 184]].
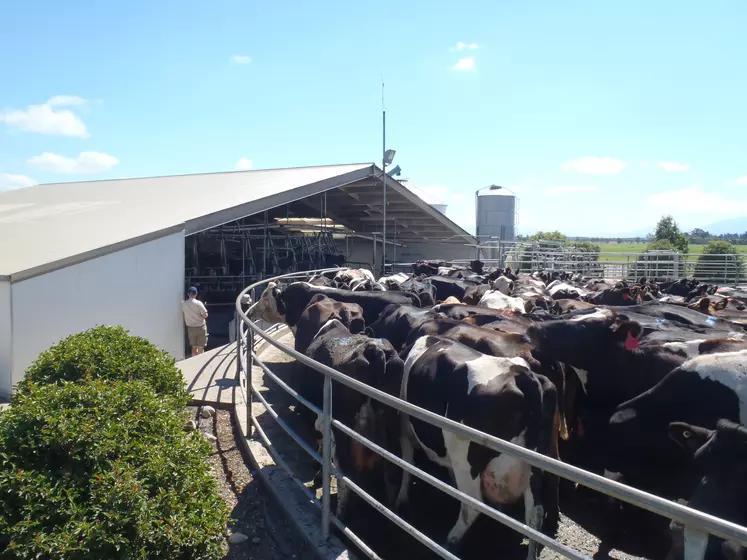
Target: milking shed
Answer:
[[120, 252]]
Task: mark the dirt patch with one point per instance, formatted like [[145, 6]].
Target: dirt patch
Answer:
[[270, 535]]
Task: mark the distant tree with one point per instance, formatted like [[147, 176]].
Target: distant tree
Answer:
[[699, 236], [549, 236], [667, 229], [720, 261], [660, 245]]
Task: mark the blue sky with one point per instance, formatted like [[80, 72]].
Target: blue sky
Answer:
[[600, 115]]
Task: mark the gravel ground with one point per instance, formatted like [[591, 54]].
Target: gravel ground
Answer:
[[270, 535]]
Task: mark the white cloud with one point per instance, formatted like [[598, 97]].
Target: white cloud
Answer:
[[644, 164], [243, 164], [464, 64], [457, 197], [694, 200], [241, 59], [557, 190], [460, 46], [595, 165], [66, 101], [739, 181], [85, 163], [45, 119], [9, 182], [674, 166]]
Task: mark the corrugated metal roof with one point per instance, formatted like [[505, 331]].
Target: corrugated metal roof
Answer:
[[52, 225]]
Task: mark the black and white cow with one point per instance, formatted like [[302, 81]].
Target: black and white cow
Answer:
[[446, 286], [320, 310], [374, 362], [720, 456], [286, 304], [499, 396], [701, 391]]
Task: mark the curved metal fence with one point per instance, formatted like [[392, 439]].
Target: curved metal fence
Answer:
[[249, 334]]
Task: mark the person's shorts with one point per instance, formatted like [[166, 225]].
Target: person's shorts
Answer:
[[197, 336]]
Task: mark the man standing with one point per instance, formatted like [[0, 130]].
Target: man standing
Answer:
[[195, 314]]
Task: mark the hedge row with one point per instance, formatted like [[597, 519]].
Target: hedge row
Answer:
[[95, 461]]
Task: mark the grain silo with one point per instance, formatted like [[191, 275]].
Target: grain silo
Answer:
[[496, 214]]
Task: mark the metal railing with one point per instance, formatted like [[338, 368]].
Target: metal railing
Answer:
[[726, 270], [248, 330]]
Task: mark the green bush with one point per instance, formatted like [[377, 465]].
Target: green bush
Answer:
[[103, 469], [108, 353]]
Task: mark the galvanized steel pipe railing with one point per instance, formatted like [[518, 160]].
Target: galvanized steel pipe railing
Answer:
[[672, 510]]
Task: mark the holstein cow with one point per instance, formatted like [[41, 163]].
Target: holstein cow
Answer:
[[320, 310], [425, 292], [286, 304], [403, 326], [394, 281], [720, 455], [701, 391], [498, 344], [373, 362], [503, 285], [494, 299], [498, 396], [446, 287], [603, 349]]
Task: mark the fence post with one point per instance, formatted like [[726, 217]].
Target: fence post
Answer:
[[237, 339], [248, 343], [326, 455]]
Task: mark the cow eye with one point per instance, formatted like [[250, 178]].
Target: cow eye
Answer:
[[686, 434]]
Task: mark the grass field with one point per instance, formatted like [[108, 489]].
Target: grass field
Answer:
[[641, 247]]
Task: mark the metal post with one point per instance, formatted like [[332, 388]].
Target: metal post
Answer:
[[237, 336], [394, 247], [249, 384], [264, 256], [319, 236], [477, 229], [383, 178], [374, 250], [326, 455]]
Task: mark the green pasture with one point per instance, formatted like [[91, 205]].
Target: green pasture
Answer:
[[641, 247]]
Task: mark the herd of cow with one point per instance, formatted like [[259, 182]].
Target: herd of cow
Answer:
[[650, 376]]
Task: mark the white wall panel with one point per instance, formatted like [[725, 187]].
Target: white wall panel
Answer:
[[6, 347], [140, 288]]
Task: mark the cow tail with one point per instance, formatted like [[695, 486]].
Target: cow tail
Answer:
[[541, 399]]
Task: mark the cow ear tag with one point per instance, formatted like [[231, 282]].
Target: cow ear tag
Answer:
[[631, 343]]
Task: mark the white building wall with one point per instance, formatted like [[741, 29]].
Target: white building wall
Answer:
[[140, 288], [6, 345]]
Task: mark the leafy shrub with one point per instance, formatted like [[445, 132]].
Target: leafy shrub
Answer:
[[716, 263], [108, 353], [103, 469]]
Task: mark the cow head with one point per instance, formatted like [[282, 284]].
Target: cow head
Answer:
[[586, 338], [270, 306], [352, 316], [720, 455], [504, 285], [714, 450]]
